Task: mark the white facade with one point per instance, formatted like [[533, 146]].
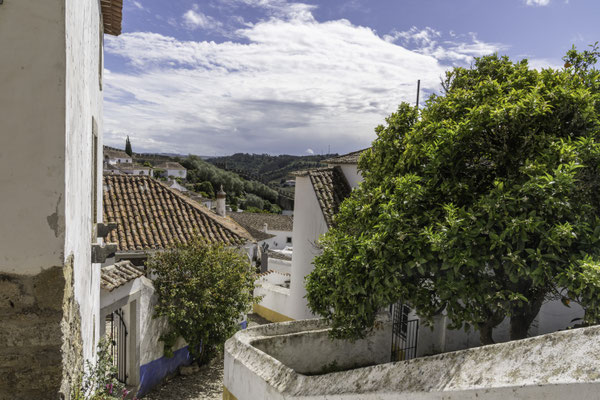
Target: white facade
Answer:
[[280, 241], [176, 173], [51, 114], [119, 160]]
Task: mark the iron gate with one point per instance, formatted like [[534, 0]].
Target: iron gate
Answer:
[[117, 331], [404, 333]]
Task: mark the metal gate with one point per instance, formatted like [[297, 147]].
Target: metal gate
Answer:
[[117, 332], [404, 333]]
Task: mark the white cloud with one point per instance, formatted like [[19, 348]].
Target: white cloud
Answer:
[[292, 84], [537, 2], [310, 151], [459, 50], [194, 19], [138, 5]]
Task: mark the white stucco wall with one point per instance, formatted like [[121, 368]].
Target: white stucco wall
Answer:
[[177, 173], [279, 242], [556, 366], [309, 225], [32, 135], [279, 265], [83, 105]]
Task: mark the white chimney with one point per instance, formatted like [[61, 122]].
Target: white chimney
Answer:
[[265, 227], [221, 209]]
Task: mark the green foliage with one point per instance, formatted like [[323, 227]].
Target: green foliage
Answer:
[[205, 187], [485, 205], [99, 380], [128, 149], [202, 291], [271, 168], [199, 171]]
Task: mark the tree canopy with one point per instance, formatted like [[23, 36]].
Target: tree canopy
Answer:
[[128, 149], [484, 204], [202, 290]]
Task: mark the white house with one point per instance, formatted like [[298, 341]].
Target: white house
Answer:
[[114, 156], [277, 227], [133, 169], [149, 216], [172, 170], [51, 248]]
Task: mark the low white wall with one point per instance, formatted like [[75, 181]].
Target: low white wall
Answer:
[[562, 365], [278, 242], [274, 297], [276, 264]]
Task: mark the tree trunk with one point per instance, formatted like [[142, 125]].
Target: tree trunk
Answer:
[[521, 321], [485, 334], [486, 329]]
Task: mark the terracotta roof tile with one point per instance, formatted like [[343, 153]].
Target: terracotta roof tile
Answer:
[[112, 16], [275, 222], [170, 165], [331, 188], [152, 216], [118, 274], [350, 158]]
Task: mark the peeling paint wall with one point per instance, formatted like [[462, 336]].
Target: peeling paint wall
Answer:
[[49, 77], [32, 135]]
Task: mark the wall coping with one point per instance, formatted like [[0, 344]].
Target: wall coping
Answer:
[[561, 358]]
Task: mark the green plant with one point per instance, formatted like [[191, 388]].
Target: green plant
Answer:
[[484, 204], [98, 381], [128, 149], [202, 290]]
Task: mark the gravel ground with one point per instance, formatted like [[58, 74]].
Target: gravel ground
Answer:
[[207, 384]]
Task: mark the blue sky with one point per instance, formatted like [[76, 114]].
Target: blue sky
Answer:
[[215, 77]]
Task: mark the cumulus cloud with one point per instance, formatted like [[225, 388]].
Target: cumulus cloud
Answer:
[[537, 2], [310, 151], [458, 49], [289, 84], [194, 19]]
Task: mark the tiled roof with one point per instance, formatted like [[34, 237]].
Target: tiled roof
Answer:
[[118, 274], [170, 165], [131, 167], [331, 188], [279, 255], [350, 158], [112, 16], [111, 152], [257, 235], [151, 216], [275, 222]]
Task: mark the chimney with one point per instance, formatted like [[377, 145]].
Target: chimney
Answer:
[[265, 227], [221, 209]]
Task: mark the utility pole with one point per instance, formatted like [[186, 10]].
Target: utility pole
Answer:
[[418, 91]]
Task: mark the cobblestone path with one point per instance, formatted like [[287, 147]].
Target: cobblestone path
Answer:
[[207, 384]]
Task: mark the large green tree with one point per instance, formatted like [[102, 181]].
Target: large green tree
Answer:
[[202, 290], [484, 204]]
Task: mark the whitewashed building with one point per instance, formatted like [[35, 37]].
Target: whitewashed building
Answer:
[[149, 217], [277, 227], [114, 156], [172, 169], [50, 114]]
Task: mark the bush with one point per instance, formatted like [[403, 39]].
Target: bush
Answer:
[[202, 290]]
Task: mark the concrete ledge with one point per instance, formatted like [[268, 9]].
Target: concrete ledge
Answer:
[[554, 366], [269, 314]]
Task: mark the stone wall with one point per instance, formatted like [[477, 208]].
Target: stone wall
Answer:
[[561, 365], [31, 310]]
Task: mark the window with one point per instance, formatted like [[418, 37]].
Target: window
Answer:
[[94, 172], [288, 240]]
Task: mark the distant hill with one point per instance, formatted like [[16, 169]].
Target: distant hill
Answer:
[[270, 168]]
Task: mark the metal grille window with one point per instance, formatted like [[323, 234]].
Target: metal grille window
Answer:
[[404, 333], [117, 334]]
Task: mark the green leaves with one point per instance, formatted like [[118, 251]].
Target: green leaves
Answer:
[[480, 206], [202, 291]]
